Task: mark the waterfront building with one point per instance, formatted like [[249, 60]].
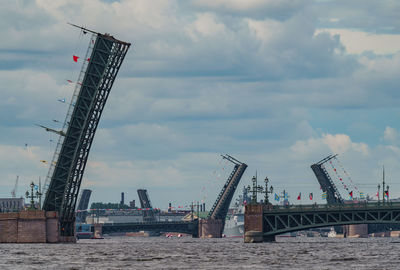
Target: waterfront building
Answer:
[[11, 204]]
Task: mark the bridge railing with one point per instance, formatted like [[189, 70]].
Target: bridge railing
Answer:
[[355, 205]]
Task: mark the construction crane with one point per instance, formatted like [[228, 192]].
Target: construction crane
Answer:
[[14, 191], [59, 132]]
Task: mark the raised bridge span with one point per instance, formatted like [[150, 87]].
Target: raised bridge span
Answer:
[[269, 220], [104, 55]]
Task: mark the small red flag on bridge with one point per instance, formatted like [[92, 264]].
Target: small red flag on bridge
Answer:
[[299, 197], [311, 196], [75, 58], [351, 194]]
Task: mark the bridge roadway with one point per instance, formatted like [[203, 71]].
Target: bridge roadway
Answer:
[[188, 227], [273, 220]]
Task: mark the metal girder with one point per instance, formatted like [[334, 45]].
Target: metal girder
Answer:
[[104, 63], [332, 194], [83, 205], [283, 220], [189, 227], [221, 206], [145, 203]]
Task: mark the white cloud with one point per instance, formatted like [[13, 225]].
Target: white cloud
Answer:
[[24, 162], [266, 31], [390, 135], [357, 42], [337, 144], [254, 79], [205, 25], [341, 143], [235, 4], [279, 9]]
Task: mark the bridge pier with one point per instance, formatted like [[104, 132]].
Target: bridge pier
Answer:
[[253, 224], [98, 231], [31, 226], [210, 228]]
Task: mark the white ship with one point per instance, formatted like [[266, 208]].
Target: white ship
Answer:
[[332, 233], [234, 223]]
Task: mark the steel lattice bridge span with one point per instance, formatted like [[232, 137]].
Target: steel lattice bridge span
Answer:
[[187, 227], [264, 222], [104, 55]]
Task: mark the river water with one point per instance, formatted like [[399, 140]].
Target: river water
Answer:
[[190, 253]]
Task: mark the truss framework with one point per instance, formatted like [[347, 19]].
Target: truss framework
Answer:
[[281, 221], [332, 194], [189, 227], [221, 206], [103, 65]]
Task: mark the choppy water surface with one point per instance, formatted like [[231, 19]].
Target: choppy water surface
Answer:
[[189, 253]]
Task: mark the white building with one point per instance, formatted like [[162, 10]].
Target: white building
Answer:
[[11, 204]]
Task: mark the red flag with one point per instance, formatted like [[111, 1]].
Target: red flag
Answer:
[[377, 194], [299, 197], [311, 196], [387, 193], [75, 58], [88, 59], [351, 194], [69, 81]]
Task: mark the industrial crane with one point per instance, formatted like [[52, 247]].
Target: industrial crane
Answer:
[[14, 191]]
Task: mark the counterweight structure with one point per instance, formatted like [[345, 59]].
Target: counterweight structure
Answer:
[[325, 181], [221, 206], [145, 203], [102, 62]]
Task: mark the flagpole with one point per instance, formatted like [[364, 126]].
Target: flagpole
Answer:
[[383, 185]]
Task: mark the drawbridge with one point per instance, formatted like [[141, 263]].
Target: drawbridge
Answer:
[[145, 203], [103, 59], [276, 220], [221, 206], [83, 205], [332, 194]]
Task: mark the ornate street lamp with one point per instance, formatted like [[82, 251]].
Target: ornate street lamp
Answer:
[[32, 195], [271, 189]]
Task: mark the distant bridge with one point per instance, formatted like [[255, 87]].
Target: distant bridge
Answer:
[[188, 227], [274, 220]]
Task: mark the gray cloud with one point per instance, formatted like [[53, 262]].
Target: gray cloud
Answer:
[[373, 16], [202, 78]]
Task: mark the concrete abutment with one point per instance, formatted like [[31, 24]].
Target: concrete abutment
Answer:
[[31, 226]]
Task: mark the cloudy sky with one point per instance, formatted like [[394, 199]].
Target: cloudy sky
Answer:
[[278, 84]]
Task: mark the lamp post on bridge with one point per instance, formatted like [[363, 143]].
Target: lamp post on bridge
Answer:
[[259, 189], [256, 189], [271, 189], [33, 195]]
